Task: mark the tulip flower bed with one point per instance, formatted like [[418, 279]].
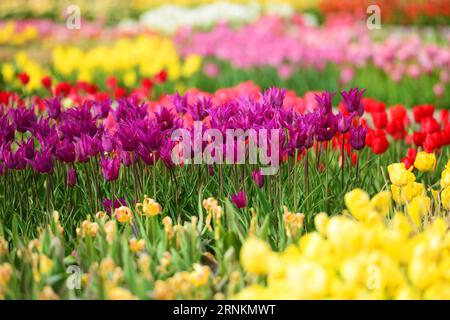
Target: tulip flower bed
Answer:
[[97, 189], [224, 151]]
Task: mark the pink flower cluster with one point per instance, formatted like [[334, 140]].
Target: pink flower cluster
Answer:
[[291, 45]]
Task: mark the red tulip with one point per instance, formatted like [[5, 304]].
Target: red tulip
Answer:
[[419, 138], [63, 88], [433, 141], [422, 111], [119, 93], [430, 125], [24, 78], [47, 82], [111, 82], [379, 119], [161, 77]]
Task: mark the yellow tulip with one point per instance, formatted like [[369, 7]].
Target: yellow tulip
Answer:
[[357, 202], [407, 193], [45, 264], [8, 72], [137, 245], [88, 229], [6, 272], [191, 65], [321, 222], [425, 162], [199, 277], [445, 198], [419, 207], [381, 202], [149, 207], [124, 214], [293, 222], [399, 175], [254, 256], [445, 178]]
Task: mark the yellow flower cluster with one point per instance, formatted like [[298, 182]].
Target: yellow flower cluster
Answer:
[[366, 258], [9, 35], [182, 283], [404, 186], [126, 58], [23, 63]]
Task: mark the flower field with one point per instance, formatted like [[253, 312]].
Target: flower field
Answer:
[[210, 150]]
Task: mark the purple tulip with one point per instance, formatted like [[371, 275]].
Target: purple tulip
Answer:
[[150, 136], [148, 156], [43, 161], [8, 157], [258, 177], [352, 101], [49, 141], [86, 147], [325, 102], [274, 97], [343, 122], [180, 102], [7, 132], [239, 199], [110, 168], [53, 107], [21, 161], [326, 126], [107, 143], [101, 108], [23, 118], [65, 151], [126, 158], [128, 137], [166, 153], [71, 177], [358, 137], [29, 149], [42, 128], [200, 109]]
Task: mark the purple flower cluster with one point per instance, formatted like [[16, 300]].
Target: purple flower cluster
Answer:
[[124, 133]]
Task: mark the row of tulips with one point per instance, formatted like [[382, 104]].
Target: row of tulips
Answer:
[[130, 60], [126, 141], [294, 43], [373, 250], [110, 152]]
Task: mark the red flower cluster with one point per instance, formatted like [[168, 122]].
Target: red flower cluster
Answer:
[[376, 138], [433, 134], [425, 132], [397, 11]]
